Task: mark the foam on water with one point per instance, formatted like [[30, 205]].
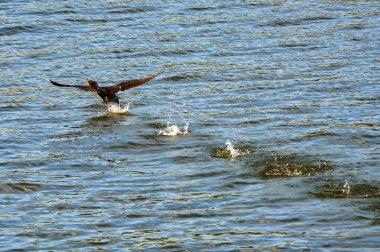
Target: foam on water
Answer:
[[115, 108], [173, 129]]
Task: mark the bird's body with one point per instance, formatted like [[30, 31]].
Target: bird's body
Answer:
[[108, 94]]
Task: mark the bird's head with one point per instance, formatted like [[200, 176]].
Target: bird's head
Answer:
[[92, 83]]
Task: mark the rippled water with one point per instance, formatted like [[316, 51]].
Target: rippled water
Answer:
[[296, 83]]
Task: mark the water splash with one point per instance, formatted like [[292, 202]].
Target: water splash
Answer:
[[229, 151], [115, 108], [230, 147], [346, 188], [334, 189], [173, 129]]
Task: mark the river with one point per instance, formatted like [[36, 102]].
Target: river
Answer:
[[281, 100]]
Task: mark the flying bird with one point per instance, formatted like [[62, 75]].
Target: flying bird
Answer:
[[108, 94]]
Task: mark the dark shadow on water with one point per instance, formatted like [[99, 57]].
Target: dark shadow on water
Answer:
[[156, 125], [223, 152], [105, 120], [364, 195], [20, 187], [129, 145], [272, 166], [103, 124], [343, 189], [11, 30], [132, 10], [374, 208]]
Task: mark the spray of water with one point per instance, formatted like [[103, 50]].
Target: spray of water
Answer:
[[233, 151], [115, 108], [173, 129], [346, 188], [230, 150]]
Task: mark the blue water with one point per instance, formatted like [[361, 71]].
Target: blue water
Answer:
[[293, 83]]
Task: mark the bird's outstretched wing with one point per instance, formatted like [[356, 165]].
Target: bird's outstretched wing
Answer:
[[131, 84], [85, 88]]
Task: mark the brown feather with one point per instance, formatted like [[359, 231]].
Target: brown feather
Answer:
[[85, 88], [130, 84]]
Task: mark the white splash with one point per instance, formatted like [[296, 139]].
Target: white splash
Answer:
[[234, 151], [117, 108], [173, 130], [230, 147], [346, 188], [186, 128]]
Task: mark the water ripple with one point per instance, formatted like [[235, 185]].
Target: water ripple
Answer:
[[292, 84]]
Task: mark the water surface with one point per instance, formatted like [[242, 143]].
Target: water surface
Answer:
[[293, 83]]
